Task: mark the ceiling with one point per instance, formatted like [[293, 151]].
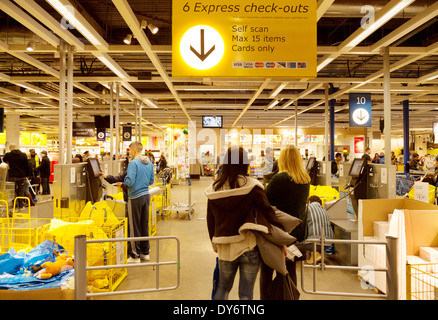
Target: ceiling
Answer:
[[29, 81]]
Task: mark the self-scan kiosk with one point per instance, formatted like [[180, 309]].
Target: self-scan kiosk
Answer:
[[94, 182], [359, 181], [312, 170]]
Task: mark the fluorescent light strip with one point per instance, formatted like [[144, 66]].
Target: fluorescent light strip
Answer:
[[69, 16], [216, 89], [273, 104], [150, 103], [381, 21], [277, 90], [432, 78], [323, 64], [113, 68]]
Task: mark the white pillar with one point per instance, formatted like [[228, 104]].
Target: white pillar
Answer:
[[69, 155], [111, 85], [387, 104], [296, 123], [117, 121], [12, 126], [61, 103], [140, 115]]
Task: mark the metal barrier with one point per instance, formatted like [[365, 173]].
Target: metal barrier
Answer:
[[392, 285], [81, 266]]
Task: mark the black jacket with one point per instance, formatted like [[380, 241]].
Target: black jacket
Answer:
[[291, 198], [44, 167], [120, 178], [18, 164]]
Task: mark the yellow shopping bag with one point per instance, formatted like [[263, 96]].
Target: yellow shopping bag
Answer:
[[100, 213], [325, 193], [64, 234]]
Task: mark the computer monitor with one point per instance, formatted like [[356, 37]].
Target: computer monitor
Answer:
[[310, 163], [94, 167], [357, 167], [212, 121]]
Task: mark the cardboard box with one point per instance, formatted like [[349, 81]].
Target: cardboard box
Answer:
[[429, 253], [421, 229], [381, 229]]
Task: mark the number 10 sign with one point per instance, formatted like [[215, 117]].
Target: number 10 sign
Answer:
[[360, 110]]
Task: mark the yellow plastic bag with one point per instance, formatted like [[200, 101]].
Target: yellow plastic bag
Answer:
[[411, 194], [100, 212], [118, 196], [325, 193], [64, 234]]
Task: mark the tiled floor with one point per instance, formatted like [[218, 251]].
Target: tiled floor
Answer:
[[198, 260]]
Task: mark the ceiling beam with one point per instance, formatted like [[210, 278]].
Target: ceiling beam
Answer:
[[130, 18]]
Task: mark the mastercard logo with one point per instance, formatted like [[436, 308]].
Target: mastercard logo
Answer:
[[259, 64]]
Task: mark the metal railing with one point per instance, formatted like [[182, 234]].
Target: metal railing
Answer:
[[81, 266], [392, 264]]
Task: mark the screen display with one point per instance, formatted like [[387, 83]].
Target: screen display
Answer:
[[310, 163], [211, 122], [356, 167], [95, 167]]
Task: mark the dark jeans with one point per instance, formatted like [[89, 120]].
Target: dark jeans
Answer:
[[248, 264], [45, 184], [19, 190], [266, 278], [139, 223]]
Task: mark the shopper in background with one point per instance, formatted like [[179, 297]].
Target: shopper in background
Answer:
[[27, 185], [44, 170], [19, 170], [85, 156], [162, 163], [335, 164], [269, 166], [366, 155], [415, 162], [375, 159], [288, 191], [317, 218], [106, 157], [381, 158], [235, 200], [393, 158], [34, 163], [139, 177]]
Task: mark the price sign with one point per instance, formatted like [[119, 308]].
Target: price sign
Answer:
[[360, 110]]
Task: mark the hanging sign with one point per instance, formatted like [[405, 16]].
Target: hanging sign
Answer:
[[83, 129], [101, 132], [242, 38], [127, 133], [360, 110]]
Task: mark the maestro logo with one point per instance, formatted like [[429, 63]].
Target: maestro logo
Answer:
[[202, 47]]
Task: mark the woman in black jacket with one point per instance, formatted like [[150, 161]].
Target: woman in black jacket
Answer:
[[288, 190]]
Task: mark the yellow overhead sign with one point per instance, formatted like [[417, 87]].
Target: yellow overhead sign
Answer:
[[241, 38]]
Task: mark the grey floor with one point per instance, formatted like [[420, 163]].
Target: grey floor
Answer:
[[198, 260]]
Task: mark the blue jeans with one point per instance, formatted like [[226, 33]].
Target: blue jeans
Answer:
[[248, 264]]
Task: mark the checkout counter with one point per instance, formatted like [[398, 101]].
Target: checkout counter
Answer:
[[71, 186], [362, 181]]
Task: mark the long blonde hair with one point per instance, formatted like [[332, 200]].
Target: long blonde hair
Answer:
[[290, 162]]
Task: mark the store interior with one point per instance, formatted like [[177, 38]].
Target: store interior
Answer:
[[68, 67]]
